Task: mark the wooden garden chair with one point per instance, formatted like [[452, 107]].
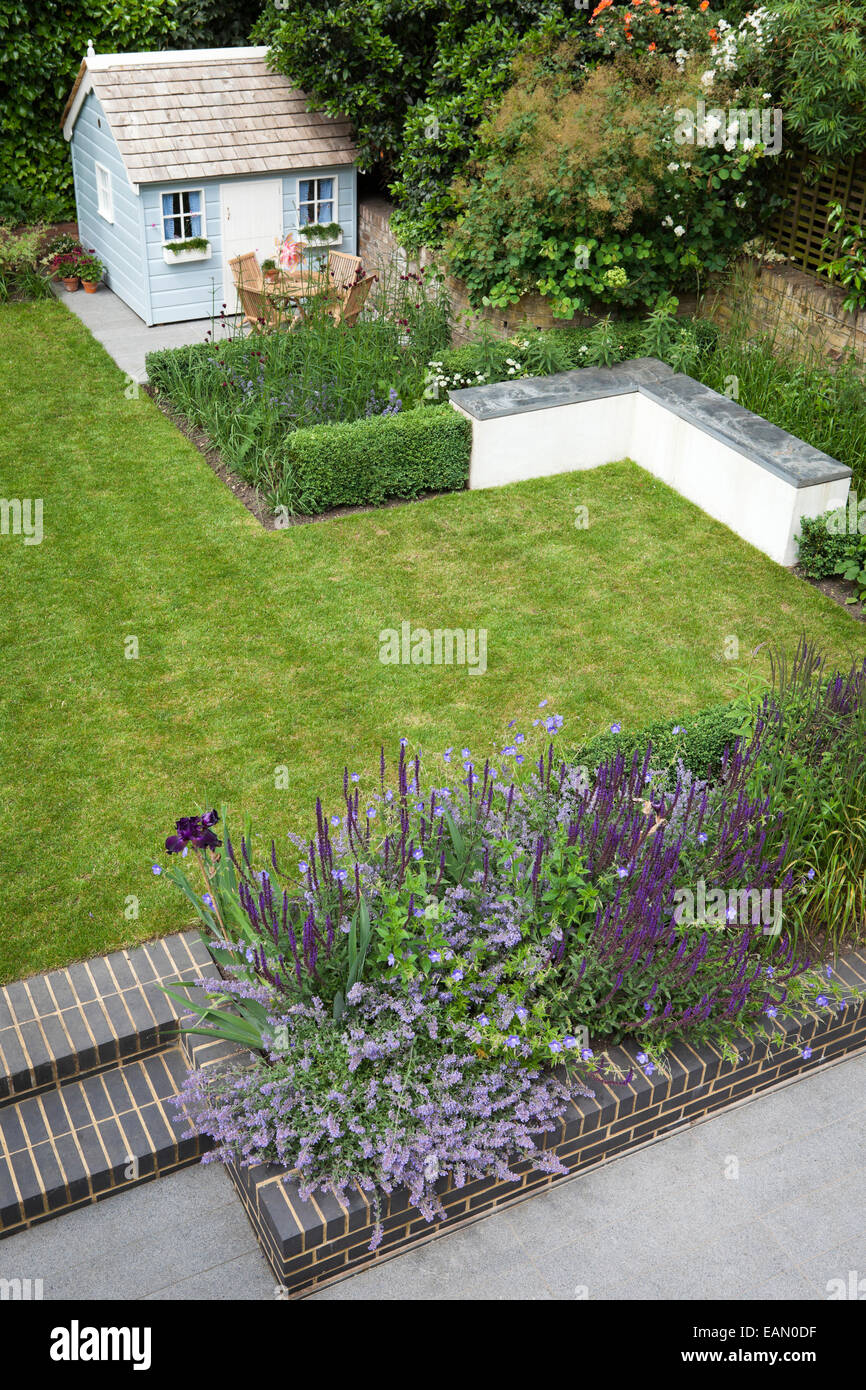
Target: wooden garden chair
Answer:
[[249, 282], [349, 306], [343, 270]]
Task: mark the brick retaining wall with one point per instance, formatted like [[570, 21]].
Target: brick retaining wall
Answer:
[[310, 1243]]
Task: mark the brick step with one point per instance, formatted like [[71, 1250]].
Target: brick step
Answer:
[[78, 1142], [92, 1016]]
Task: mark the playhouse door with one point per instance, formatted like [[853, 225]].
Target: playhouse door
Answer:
[[251, 213]]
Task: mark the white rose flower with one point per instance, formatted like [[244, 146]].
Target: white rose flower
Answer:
[[672, 168], [679, 231], [707, 78]]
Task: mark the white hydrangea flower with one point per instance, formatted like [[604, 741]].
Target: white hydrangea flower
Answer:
[[672, 168]]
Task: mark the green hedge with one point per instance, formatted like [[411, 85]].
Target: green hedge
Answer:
[[368, 461], [701, 746], [821, 549]]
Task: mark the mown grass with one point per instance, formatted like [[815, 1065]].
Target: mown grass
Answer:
[[259, 649]]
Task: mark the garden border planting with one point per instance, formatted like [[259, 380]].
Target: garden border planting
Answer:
[[310, 1243], [745, 472]]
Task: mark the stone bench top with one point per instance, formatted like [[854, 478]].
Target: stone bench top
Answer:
[[790, 458]]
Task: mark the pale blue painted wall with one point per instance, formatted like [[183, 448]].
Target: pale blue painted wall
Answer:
[[131, 248], [191, 289], [118, 244]]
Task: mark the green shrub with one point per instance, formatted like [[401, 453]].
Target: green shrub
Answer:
[[583, 188], [820, 549], [20, 276], [700, 745], [42, 46], [369, 461]]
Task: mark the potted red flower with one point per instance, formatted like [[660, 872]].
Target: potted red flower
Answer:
[[91, 271], [65, 267]]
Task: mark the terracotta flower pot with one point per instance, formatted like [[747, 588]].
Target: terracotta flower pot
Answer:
[[91, 286], [70, 283]]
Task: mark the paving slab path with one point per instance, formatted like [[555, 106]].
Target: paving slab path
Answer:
[[125, 336], [764, 1201]]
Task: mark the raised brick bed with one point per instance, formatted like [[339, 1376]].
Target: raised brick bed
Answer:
[[310, 1243]]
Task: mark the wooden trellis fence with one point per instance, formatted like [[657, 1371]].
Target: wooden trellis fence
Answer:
[[800, 227]]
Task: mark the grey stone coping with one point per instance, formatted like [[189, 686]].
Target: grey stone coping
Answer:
[[789, 458]]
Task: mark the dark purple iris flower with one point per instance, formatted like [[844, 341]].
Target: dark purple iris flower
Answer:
[[195, 831]]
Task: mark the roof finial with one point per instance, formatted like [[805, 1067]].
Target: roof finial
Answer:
[[91, 51]]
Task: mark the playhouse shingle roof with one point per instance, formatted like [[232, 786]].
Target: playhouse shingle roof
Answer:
[[184, 116]]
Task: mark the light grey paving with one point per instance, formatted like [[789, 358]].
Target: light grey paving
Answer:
[[125, 336], [184, 1236], [763, 1202]]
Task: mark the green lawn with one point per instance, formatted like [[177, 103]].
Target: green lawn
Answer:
[[258, 648]]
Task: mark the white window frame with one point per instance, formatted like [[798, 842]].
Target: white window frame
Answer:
[[169, 216], [104, 192], [316, 202]]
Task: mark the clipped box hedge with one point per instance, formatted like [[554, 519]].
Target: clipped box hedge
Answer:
[[700, 747], [367, 462]]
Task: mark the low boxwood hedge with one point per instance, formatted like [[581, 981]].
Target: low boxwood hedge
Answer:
[[365, 462], [700, 741]]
